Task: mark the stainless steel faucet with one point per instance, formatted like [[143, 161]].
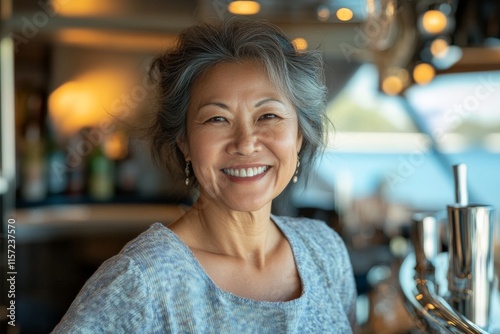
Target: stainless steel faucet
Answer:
[[453, 292]]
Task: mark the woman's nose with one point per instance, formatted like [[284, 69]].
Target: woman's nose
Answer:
[[245, 141]]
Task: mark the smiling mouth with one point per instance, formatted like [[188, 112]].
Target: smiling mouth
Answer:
[[246, 172]]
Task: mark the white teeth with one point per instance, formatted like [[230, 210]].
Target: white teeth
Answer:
[[245, 172]]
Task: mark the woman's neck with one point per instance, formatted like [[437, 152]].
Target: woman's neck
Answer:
[[247, 236]]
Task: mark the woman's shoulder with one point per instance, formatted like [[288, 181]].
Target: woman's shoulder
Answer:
[[157, 246], [157, 234], [121, 286]]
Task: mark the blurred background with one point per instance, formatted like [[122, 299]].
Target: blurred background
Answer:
[[414, 87]]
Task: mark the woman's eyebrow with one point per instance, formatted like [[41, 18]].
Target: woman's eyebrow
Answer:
[[224, 106], [217, 104], [264, 101]]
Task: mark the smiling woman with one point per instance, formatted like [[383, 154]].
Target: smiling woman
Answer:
[[239, 107], [242, 136]]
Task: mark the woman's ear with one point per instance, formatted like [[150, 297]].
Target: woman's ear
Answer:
[[184, 147], [299, 140]]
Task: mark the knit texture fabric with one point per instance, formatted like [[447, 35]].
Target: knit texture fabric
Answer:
[[156, 285]]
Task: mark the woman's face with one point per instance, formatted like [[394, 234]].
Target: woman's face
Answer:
[[242, 136]]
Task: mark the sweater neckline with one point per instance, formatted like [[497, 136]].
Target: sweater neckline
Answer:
[[292, 240]]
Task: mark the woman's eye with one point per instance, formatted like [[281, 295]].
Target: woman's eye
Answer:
[[268, 116], [216, 119]]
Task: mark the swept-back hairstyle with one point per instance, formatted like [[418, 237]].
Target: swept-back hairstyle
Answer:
[[297, 74]]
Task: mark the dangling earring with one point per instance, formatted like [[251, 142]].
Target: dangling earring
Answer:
[[295, 177], [186, 170]]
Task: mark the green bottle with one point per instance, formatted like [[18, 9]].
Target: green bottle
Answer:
[[101, 176]]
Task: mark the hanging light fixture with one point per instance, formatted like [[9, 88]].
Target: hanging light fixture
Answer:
[[323, 13], [344, 14], [423, 73], [245, 7], [300, 44], [392, 85], [439, 47], [434, 22]]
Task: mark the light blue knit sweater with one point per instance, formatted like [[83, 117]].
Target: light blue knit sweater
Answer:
[[156, 285]]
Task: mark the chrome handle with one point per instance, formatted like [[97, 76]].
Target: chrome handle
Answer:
[[460, 178]]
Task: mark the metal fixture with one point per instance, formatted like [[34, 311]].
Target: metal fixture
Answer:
[[453, 292]]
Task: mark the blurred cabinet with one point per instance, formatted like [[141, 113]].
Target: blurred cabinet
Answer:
[[83, 100]]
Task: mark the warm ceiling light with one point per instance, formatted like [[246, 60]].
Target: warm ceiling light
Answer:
[[108, 39], [434, 21], [439, 47], [84, 101], [84, 7], [323, 13], [72, 107], [300, 44], [423, 73], [244, 7], [344, 14], [392, 85]]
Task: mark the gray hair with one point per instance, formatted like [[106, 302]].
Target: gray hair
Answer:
[[297, 74]]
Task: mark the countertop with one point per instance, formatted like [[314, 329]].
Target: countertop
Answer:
[[49, 222]]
